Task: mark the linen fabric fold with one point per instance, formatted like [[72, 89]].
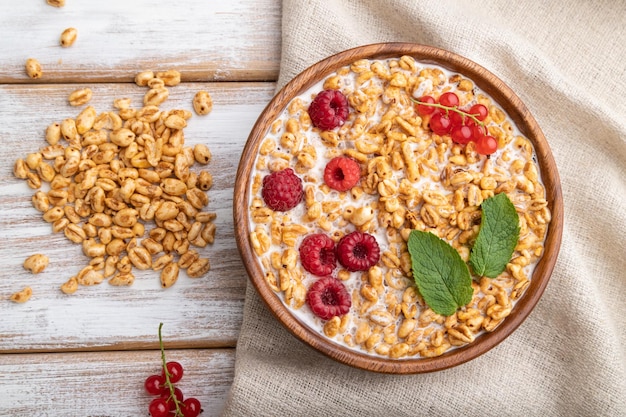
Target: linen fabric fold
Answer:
[[567, 62]]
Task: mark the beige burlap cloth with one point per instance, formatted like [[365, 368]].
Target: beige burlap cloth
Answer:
[[567, 61]]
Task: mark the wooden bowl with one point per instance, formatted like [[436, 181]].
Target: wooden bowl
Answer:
[[516, 110]]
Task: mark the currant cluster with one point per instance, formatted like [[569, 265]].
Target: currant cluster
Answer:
[[170, 401], [463, 126]]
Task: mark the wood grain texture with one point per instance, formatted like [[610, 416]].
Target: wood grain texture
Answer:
[[85, 355], [107, 383], [514, 107], [207, 41], [203, 312]]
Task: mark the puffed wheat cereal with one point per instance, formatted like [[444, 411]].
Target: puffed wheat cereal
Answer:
[[170, 77], [411, 179], [22, 296], [202, 103], [123, 185], [80, 96], [33, 68], [36, 263], [68, 37]]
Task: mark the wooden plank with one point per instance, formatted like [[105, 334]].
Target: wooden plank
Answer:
[[234, 40], [107, 383], [203, 312]]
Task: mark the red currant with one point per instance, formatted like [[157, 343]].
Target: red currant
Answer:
[[171, 402], [449, 99], [478, 131], [175, 371], [456, 119], [191, 407], [486, 145], [440, 123], [461, 134], [159, 408], [479, 111], [154, 384], [422, 109]]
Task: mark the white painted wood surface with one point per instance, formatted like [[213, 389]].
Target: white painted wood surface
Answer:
[[88, 354], [99, 384], [230, 40], [202, 312]]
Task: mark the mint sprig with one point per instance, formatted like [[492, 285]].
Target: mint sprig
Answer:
[[497, 237], [441, 275], [443, 278]]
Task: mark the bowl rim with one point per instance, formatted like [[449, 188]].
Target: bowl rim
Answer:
[[515, 109]]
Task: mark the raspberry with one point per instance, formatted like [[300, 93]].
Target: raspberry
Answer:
[[328, 297], [342, 173], [282, 190], [358, 251], [329, 109], [317, 254]]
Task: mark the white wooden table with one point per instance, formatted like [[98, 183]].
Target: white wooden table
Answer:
[[88, 354]]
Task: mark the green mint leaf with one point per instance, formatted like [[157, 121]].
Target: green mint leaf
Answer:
[[497, 237], [441, 275]]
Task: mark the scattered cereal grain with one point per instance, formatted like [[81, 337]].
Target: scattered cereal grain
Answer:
[[22, 296], [68, 37], [33, 68]]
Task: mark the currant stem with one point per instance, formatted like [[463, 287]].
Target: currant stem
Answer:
[[448, 108], [169, 385]]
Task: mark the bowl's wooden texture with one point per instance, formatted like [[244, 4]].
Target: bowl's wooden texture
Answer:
[[518, 112]]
